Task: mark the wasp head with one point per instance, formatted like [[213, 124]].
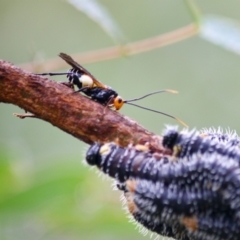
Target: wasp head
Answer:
[[118, 102]]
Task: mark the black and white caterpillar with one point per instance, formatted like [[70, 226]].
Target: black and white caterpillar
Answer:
[[228, 138], [186, 143], [194, 198], [132, 162]]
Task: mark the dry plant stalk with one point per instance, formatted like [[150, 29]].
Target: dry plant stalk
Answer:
[[73, 113], [144, 45]]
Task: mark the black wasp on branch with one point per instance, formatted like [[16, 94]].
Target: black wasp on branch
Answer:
[[99, 92]]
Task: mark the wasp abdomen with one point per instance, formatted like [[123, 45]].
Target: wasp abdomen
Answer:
[[74, 77]]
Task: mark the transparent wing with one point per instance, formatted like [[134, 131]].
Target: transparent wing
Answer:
[[75, 65]]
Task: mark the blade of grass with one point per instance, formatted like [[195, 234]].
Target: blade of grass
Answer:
[[221, 31], [195, 11], [99, 14]]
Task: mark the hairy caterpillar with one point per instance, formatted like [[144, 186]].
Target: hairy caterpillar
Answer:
[[195, 197]]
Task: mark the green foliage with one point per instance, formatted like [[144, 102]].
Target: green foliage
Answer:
[[60, 199]]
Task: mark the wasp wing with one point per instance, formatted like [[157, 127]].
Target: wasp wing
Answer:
[[75, 65]]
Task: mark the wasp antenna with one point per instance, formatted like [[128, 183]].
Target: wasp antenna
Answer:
[[152, 110], [171, 91], [149, 94], [181, 122]]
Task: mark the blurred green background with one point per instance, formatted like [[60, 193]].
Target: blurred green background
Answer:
[[45, 190]]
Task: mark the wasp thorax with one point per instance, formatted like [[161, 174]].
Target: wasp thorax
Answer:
[[118, 102], [86, 81]]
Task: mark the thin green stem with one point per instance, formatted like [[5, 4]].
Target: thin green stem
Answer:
[[195, 11]]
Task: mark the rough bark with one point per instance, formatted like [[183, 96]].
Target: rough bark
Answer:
[[71, 112]]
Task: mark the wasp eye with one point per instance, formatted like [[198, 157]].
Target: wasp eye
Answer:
[[118, 102]]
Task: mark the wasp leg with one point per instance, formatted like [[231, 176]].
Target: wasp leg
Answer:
[[82, 89], [109, 104], [67, 84]]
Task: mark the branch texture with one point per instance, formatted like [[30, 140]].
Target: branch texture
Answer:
[[71, 112]]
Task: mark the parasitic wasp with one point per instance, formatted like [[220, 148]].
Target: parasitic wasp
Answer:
[[97, 91]]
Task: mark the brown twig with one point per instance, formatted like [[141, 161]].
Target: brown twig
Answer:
[[117, 51], [72, 113]]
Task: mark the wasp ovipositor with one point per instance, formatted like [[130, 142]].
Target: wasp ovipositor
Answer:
[[100, 92], [194, 198]]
